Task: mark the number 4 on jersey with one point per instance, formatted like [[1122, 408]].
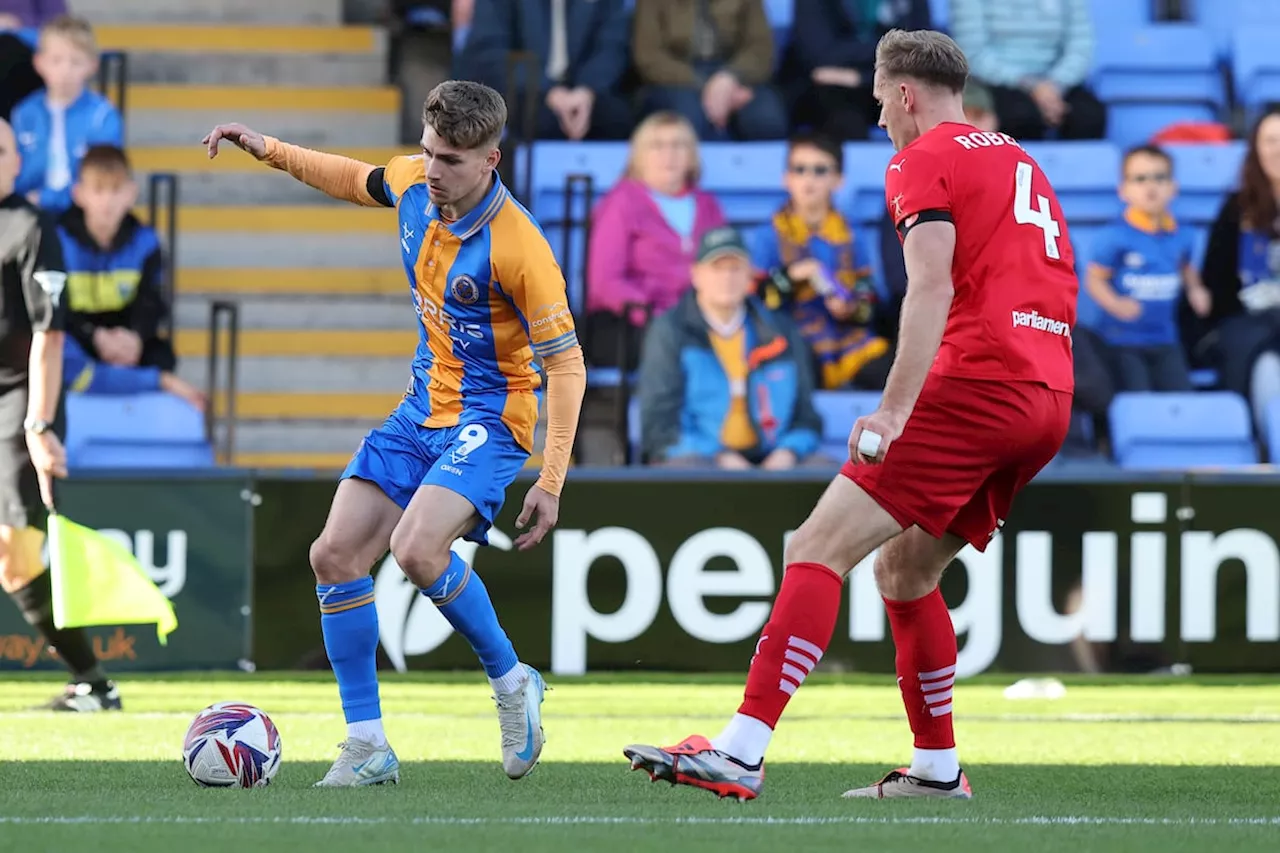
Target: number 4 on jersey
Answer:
[[1040, 217]]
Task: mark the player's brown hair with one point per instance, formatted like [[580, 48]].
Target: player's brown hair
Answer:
[[925, 55], [106, 160], [466, 114], [78, 31], [1258, 208]]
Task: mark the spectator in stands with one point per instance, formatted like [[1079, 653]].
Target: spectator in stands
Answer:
[[644, 236], [20, 21], [1034, 55], [723, 380], [29, 14], [114, 268], [1140, 268], [1242, 271], [710, 61], [980, 107], [830, 58], [581, 55], [83, 374], [57, 125], [815, 270]]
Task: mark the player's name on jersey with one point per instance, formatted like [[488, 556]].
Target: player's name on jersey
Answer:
[[985, 139]]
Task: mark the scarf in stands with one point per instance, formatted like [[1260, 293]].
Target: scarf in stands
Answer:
[[841, 347]]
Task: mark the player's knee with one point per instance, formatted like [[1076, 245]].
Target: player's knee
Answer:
[[333, 563], [809, 545], [422, 554], [902, 580]]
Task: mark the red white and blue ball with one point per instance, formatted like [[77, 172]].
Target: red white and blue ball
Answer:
[[231, 745]]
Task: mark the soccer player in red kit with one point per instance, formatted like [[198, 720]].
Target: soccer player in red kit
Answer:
[[976, 404]]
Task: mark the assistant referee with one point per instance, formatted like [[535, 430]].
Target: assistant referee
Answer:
[[32, 319]]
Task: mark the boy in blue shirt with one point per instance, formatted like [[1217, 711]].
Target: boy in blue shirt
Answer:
[[1140, 266], [815, 271], [56, 125]]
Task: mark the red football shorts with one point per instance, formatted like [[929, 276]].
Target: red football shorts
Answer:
[[968, 448]]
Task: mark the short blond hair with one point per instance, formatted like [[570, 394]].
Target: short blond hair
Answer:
[[925, 55], [465, 114], [644, 132], [78, 31]]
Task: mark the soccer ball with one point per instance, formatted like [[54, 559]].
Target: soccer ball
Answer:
[[231, 745]]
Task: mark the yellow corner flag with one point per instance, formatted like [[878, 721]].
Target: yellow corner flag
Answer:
[[96, 581]]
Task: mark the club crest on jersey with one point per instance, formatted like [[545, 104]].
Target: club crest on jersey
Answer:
[[464, 290]]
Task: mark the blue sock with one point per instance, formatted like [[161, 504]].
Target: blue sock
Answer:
[[350, 625], [464, 601]]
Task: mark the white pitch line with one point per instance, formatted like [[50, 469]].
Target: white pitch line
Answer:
[[589, 820]]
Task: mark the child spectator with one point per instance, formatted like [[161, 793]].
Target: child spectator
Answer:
[[814, 270], [56, 125], [114, 268], [723, 380], [1139, 268]]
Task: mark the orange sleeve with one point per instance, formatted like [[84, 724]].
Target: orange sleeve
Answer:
[[334, 175], [566, 385]]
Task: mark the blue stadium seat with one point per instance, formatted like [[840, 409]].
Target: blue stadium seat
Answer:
[[140, 431], [1084, 175], [1272, 420], [1176, 431], [1256, 66], [746, 177], [1082, 236], [838, 410], [940, 14], [1151, 77], [1205, 173], [633, 429], [1222, 17], [549, 165], [862, 196], [780, 13]]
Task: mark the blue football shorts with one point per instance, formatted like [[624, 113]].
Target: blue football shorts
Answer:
[[477, 460]]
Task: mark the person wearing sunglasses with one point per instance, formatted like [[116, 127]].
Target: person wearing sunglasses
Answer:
[[811, 267]]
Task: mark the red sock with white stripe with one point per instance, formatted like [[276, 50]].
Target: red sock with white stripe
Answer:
[[792, 643], [926, 664]]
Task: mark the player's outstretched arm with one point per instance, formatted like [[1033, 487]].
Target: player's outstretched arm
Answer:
[[928, 250], [334, 175]]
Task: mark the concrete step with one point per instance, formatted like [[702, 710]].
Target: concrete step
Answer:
[[303, 12], [313, 116], [349, 343], [235, 282], [294, 405], [306, 312], [294, 237], [307, 375], [280, 436], [234, 178], [238, 55]]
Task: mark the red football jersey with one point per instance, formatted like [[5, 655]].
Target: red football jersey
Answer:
[[1014, 270]]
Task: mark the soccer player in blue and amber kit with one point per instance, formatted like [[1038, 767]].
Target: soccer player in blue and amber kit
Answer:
[[489, 297]]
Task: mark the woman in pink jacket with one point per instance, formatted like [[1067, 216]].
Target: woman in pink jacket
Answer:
[[644, 235]]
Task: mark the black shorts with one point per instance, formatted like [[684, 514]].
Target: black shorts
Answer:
[[20, 503]]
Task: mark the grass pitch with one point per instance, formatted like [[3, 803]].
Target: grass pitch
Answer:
[[1136, 765]]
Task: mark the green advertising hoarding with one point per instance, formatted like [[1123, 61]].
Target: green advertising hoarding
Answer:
[[193, 535]]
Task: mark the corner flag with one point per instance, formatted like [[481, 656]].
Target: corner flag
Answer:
[[98, 582]]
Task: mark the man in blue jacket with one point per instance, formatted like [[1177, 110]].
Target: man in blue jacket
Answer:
[[581, 51], [724, 381]]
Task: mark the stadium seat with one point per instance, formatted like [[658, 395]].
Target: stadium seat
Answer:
[[1256, 66], [780, 13], [746, 177], [1222, 17], [838, 410], [633, 429], [1084, 175], [1272, 420], [1151, 77], [549, 165], [1205, 173], [139, 431], [940, 14], [1176, 430], [861, 198]]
